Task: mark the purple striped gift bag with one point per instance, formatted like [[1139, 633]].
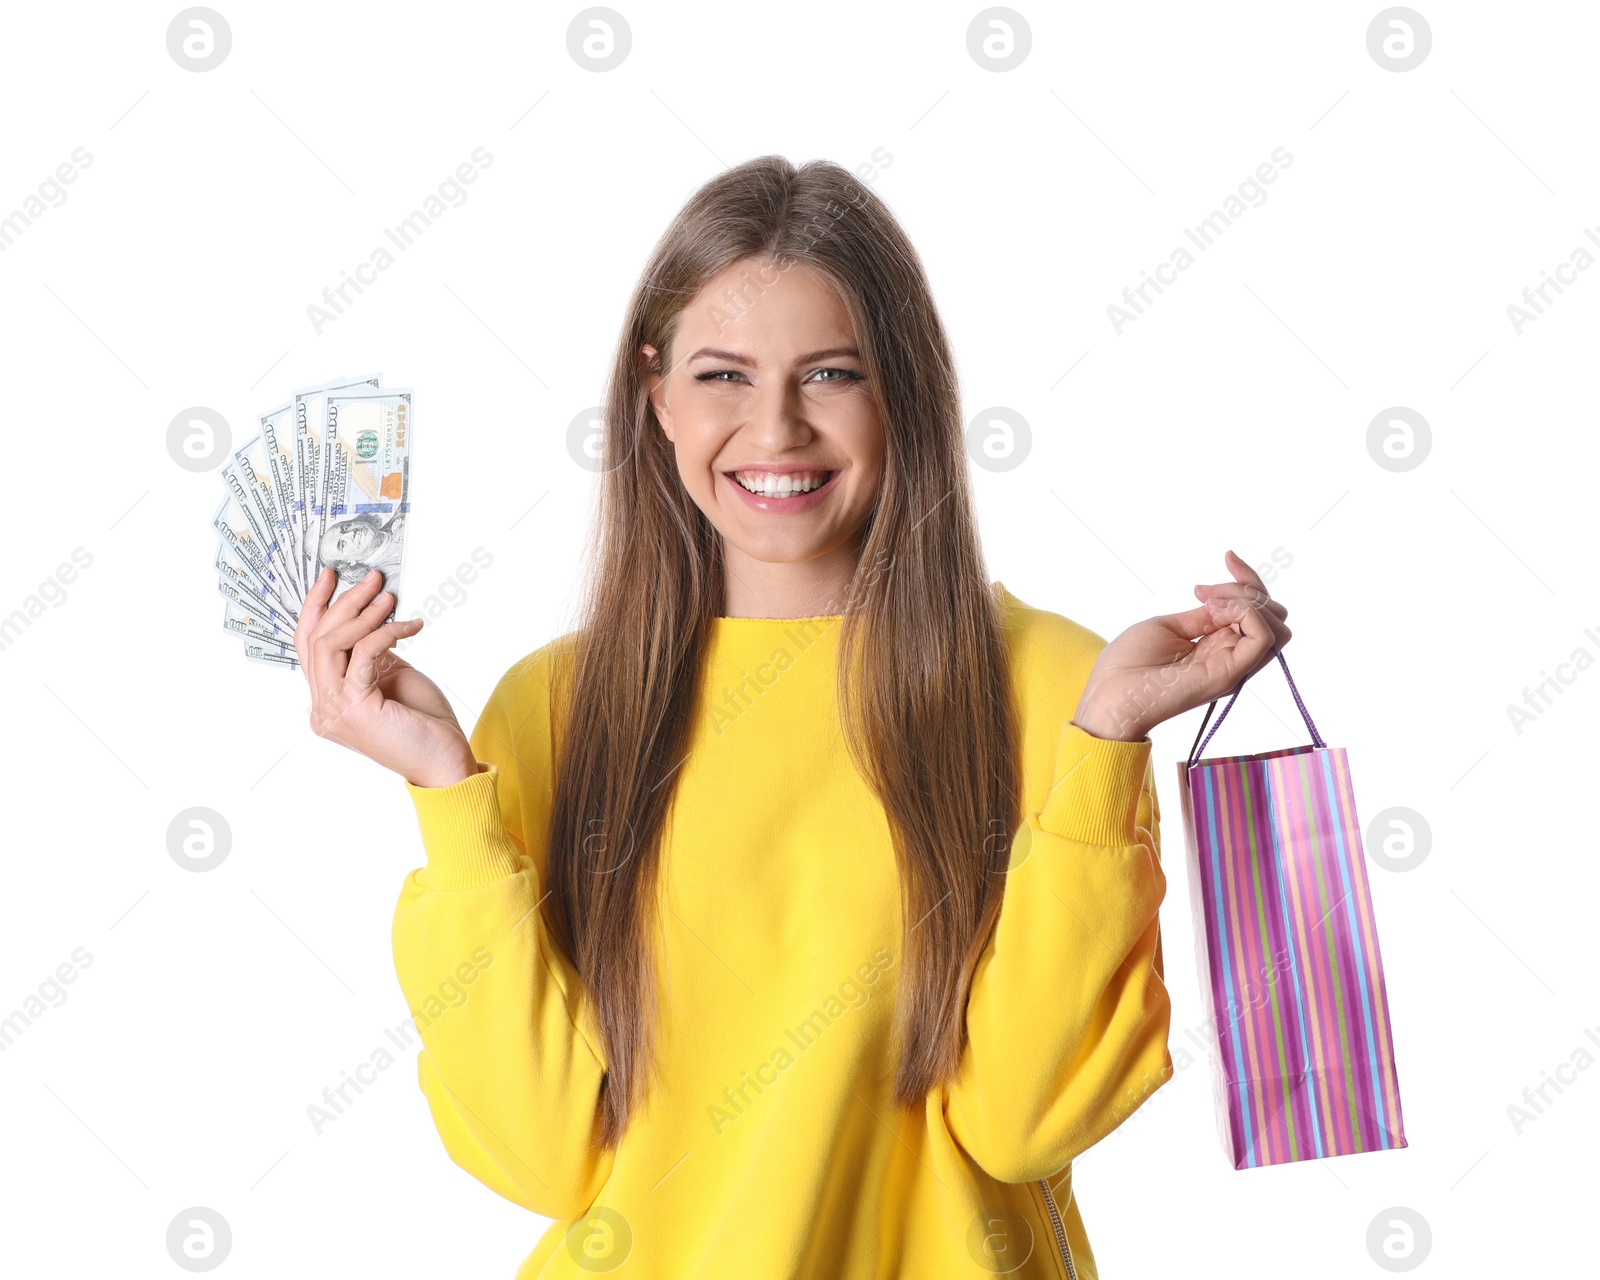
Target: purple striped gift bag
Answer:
[[1287, 948]]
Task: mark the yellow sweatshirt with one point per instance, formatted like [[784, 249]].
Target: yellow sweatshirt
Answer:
[[767, 1148]]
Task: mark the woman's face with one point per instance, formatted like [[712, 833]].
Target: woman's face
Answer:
[[766, 386]]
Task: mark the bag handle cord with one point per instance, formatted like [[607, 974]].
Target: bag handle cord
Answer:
[[1199, 746]]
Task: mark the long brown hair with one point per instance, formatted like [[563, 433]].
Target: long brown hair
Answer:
[[924, 681]]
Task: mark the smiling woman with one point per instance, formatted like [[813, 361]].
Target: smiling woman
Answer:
[[797, 725], [784, 425]]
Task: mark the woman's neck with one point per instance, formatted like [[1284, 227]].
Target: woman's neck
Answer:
[[755, 588]]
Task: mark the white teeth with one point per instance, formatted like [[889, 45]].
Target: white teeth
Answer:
[[769, 485]]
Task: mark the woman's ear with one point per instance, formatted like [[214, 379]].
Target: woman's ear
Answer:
[[656, 384]]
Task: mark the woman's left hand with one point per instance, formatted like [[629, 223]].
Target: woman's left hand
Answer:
[[1156, 669]]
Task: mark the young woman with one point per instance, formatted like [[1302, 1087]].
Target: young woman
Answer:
[[795, 915]]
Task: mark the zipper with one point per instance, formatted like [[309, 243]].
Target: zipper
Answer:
[[1060, 1229]]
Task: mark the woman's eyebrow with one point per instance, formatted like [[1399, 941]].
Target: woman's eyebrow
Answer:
[[738, 357]]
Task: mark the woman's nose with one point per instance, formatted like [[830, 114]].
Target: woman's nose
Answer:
[[778, 417]]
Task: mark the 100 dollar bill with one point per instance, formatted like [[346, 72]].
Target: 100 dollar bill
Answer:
[[364, 501], [248, 476], [310, 416], [272, 655], [237, 527], [276, 447], [238, 588], [243, 623]]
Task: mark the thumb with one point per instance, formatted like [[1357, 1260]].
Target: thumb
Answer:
[[1191, 623]]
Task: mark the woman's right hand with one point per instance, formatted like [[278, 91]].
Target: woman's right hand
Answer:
[[370, 699]]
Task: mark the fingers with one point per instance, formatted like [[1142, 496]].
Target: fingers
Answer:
[[1238, 619], [1191, 623], [337, 628], [1242, 572], [343, 635], [365, 667], [1240, 591], [1247, 586], [1257, 627], [340, 641], [1224, 603], [311, 610], [1232, 609], [353, 600], [316, 601]]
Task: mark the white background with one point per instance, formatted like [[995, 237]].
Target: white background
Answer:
[[1233, 413]]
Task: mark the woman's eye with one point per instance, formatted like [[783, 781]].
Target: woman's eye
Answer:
[[727, 375]]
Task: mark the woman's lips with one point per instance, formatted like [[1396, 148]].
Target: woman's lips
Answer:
[[791, 505]]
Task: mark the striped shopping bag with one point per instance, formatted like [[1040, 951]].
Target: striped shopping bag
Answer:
[[1287, 946]]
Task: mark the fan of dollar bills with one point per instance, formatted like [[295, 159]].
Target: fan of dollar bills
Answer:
[[326, 483]]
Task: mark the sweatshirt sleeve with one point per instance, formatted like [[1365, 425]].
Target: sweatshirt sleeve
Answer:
[[509, 1061], [1068, 1016]]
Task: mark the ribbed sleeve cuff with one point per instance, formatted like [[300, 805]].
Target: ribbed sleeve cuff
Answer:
[[464, 832], [1097, 784]]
